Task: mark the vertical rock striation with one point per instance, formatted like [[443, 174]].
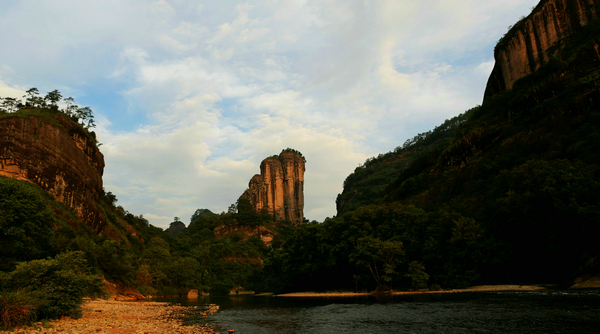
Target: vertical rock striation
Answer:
[[535, 39], [57, 155], [279, 187]]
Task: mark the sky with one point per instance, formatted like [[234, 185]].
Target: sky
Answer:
[[190, 96]]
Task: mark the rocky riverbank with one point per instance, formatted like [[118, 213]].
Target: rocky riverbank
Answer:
[[481, 288], [119, 317]]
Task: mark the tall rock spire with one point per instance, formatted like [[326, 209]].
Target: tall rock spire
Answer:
[[279, 187]]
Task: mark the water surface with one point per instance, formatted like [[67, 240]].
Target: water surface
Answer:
[[473, 312]]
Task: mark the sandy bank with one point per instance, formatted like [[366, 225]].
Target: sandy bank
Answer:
[[481, 288], [119, 317]]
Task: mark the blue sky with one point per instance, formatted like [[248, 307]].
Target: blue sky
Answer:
[[190, 96]]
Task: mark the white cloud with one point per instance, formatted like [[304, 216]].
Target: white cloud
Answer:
[[393, 80], [210, 90], [7, 91]]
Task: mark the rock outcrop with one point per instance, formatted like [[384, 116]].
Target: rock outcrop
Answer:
[[535, 39], [279, 187], [57, 155], [227, 231]]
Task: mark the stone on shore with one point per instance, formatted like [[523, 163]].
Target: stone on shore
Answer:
[[120, 317]]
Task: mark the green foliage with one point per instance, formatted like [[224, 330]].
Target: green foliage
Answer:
[[417, 274], [57, 285], [115, 261], [25, 223], [200, 213], [372, 248], [370, 182], [246, 215], [380, 257]]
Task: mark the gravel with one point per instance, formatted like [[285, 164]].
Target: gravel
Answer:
[[122, 317]]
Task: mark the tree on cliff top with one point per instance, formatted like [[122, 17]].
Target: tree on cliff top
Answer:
[[80, 115], [294, 151]]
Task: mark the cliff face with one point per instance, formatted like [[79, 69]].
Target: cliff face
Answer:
[[534, 40], [58, 156], [279, 187]]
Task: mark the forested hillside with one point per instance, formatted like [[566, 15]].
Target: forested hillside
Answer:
[[523, 169]]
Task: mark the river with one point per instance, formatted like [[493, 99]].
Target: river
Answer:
[[550, 311]]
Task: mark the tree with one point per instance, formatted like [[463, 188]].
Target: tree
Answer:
[[25, 223], [85, 115], [176, 227], [417, 274], [9, 104], [31, 96], [380, 257], [53, 97], [201, 212]]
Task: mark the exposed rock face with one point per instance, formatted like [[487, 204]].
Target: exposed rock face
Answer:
[[226, 231], [534, 40], [279, 187], [119, 291], [60, 158]]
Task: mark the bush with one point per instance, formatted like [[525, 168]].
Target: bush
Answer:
[[57, 285], [25, 223]]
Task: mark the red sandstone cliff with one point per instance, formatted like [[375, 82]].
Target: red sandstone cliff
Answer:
[[279, 187], [536, 38], [57, 155]]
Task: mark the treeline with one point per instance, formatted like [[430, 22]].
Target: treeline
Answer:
[[380, 247], [50, 102], [369, 182]]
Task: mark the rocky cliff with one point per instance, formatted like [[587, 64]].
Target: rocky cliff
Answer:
[[57, 155], [279, 187], [534, 40]]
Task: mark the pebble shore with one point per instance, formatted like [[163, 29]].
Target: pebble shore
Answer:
[[481, 288], [119, 317]]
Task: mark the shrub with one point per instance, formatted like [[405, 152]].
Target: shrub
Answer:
[[57, 285], [25, 223]]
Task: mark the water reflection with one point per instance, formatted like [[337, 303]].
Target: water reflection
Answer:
[[533, 312]]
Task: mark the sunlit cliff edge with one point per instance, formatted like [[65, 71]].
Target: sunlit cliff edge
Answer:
[[60, 158], [535, 39], [279, 188]]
